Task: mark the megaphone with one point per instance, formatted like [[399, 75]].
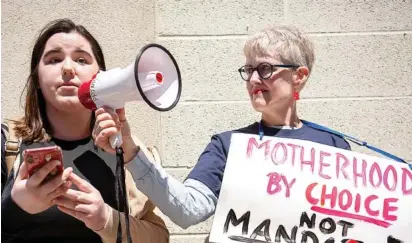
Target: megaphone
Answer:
[[153, 77]]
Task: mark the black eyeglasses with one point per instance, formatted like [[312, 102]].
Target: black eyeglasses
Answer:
[[265, 70]]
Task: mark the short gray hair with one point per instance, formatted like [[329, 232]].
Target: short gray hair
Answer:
[[287, 43]]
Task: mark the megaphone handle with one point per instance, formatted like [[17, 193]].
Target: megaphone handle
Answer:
[[116, 140]]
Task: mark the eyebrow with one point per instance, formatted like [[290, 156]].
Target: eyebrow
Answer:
[[52, 51], [58, 50]]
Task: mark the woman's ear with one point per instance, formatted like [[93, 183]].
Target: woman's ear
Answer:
[[301, 75]]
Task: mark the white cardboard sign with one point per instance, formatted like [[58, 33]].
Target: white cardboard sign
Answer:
[[295, 191]]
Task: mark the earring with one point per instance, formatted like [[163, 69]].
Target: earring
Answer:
[[296, 95]]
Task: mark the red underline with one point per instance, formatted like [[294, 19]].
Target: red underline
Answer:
[[351, 216]]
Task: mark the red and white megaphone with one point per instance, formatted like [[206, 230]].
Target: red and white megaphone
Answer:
[[153, 77]]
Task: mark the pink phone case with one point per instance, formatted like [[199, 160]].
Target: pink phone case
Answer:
[[36, 158]]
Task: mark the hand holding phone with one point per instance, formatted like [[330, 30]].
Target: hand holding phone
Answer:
[[39, 181], [37, 157]]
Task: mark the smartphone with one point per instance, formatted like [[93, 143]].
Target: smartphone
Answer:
[[37, 157]]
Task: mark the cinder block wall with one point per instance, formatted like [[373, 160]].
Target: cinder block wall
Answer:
[[361, 82]]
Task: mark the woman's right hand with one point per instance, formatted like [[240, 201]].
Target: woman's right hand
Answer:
[[32, 194]]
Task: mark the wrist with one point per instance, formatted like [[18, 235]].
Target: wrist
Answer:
[[130, 150], [105, 217], [129, 156], [20, 199]]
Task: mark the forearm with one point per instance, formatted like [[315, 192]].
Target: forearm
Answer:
[[148, 229], [186, 204]]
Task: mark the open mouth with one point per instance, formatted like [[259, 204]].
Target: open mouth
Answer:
[[257, 91]]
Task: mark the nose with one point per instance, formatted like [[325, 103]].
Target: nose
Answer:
[[68, 70], [255, 79]]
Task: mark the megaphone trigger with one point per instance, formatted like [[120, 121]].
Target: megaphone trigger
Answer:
[[115, 140]]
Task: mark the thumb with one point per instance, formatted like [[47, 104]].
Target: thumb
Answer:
[[122, 114], [22, 173]]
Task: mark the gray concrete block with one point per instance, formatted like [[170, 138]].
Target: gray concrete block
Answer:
[[144, 123], [350, 16], [361, 65], [216, 17], [209, 68]]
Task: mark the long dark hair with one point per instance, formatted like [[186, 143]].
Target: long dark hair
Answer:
[[34, 126]]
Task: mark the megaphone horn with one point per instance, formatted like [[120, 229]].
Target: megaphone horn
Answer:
[[153, 77]]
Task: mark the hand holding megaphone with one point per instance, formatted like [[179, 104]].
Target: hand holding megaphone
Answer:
[[107, 123], [153, 77]]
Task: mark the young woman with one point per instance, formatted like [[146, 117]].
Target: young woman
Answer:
[[64, 56]]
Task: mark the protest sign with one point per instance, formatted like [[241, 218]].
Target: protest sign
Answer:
[[288, 190]]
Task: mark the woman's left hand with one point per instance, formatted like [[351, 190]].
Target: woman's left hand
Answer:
[[85, 204]]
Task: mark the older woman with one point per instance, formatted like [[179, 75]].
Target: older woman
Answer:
[[278, 64], [64, 56]]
